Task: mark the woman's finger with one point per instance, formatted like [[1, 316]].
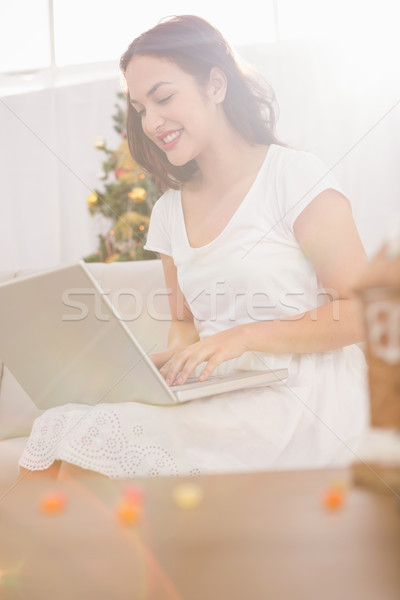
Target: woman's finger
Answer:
[[184, 363], [173, 367], [188, 368], [211, 365]]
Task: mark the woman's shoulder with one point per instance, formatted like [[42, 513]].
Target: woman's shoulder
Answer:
[[290, 155], [300, 176], [290, 163]]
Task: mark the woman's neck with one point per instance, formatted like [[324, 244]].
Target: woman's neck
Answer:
[[227, 162]]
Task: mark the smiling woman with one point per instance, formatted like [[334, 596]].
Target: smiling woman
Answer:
[[243, 217]]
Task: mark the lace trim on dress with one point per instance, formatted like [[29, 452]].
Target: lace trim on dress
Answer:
[[98, 443]]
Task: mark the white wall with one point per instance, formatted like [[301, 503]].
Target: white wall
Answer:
[[49, 164]]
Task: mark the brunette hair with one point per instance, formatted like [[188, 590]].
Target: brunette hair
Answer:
[[196, 47]]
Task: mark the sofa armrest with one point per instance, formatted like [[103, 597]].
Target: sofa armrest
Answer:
[[17, 411], [10, 451]]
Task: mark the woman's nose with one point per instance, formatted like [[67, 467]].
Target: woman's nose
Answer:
[[152, 121]]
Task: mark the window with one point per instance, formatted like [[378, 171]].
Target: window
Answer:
[[52, 35], [91, 31], [24, 35]]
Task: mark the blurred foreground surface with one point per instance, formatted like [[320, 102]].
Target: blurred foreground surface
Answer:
[[247, 536]]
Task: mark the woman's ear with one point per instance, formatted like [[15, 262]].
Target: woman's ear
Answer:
[[217, 85]]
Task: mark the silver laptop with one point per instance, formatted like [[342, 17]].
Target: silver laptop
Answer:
[[64, 342]]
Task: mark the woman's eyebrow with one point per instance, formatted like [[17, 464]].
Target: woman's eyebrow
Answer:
[[151, 91]]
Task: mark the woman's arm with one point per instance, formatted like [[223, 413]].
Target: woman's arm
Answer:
[[327, 234], [182, 331]]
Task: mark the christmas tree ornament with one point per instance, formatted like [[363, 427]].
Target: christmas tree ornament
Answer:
[[99, 143], [119, 171], [92, 199], [138, 195], [102, 175]]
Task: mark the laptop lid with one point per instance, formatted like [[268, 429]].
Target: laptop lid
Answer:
[[65, 342]]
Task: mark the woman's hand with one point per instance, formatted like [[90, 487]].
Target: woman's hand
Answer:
[[214, 350], [160, 358]]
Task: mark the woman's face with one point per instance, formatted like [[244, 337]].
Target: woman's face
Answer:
[[177, 115]]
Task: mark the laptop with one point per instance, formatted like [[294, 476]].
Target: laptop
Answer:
[[65, 342]]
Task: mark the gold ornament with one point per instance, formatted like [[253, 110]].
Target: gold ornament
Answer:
[[92, 199], [99, 143], [138, 195]]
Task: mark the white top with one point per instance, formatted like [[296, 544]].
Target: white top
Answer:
[[254, 269]]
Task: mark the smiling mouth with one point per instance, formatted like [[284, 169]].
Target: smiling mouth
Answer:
[[171, 137]]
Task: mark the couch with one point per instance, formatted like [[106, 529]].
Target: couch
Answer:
[[137, 288]]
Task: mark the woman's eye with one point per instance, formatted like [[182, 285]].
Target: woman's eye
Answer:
[[142, 113], [164, 100]]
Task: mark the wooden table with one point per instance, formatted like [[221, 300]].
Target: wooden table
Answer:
[[254, 536]]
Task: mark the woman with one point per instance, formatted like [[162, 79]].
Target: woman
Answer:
[[259, 250]]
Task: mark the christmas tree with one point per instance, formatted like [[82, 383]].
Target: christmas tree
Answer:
[[126, 200]]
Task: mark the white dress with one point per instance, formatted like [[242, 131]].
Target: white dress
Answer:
[[253, 270]]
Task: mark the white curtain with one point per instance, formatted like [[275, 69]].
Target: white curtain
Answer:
[[49, 164], [49, 167]]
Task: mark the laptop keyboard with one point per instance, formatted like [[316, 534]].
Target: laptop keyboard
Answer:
[[193, 381]]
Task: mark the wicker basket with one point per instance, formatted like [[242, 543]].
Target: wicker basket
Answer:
[[381, 309], [378, 463], [379, 292]]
